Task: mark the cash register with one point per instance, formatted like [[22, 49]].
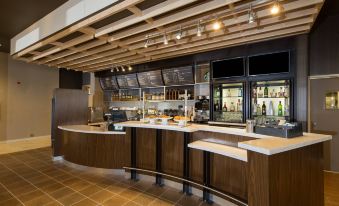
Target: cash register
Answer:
[[113, 117]]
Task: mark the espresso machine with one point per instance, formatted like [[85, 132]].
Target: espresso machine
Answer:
[[202, 110]]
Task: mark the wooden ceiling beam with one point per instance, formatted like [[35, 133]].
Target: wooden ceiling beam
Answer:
[[153, 11], [135, 10], [86, 22]]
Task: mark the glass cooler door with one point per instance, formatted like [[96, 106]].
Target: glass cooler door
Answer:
[[228, 103], [270, 101]]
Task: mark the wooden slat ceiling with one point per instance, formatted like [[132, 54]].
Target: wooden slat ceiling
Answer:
[[116, 36]]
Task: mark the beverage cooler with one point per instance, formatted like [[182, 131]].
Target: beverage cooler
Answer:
[[270, 101], [228, 103]]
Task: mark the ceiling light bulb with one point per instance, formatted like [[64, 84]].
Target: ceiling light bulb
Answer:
[[275, 8], [199, 29], [117, 69], [130, 68], [165, 39], [216, 25], [147, 42]]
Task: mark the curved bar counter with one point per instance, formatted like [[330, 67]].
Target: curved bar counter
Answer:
[[243, 168]]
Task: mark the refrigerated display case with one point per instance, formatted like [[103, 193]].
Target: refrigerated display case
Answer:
[[228, 103], [271, 101]]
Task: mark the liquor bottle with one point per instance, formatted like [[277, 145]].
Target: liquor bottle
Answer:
[[270, 109], [240, 92], [281, 93], [280, 109], [266, 92], [272, 93], [263, 109], [229, 93], [259, 110], [225, 107], [287, 108], [286, 93], [239, 105], [254, 92], [260, 93], [232, 107]]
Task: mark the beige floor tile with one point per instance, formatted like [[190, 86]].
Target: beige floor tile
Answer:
[[116, 201], [71, 199], [85, 202], [101, 196]]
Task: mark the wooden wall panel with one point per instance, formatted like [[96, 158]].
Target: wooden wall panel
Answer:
[[172, 152], [69, 107], [146, 148], [291, 178], [229, 175], [97, 150]]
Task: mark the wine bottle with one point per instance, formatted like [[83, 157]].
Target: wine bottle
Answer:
[[263, 109], [232, 107], [280, 109], [260, 94], [266, 92], [225, 107]]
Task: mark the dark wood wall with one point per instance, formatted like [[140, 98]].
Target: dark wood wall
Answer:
[[69, 79], [324, 46]]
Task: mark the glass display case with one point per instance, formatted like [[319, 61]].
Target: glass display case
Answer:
[[228, 103], [270, 101]]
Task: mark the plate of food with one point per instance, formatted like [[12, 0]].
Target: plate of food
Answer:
[[164, 119], [181, 120], [152, 119]]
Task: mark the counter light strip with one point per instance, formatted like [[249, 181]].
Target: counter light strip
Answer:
[[189, 181]]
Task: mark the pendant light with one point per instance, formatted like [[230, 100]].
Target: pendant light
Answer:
[[276, 7], [165, 39], [147, 42], [199, 29], [252, 16], [179, 34], [130, 68]]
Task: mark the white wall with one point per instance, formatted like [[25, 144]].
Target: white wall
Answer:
[[29, 94]]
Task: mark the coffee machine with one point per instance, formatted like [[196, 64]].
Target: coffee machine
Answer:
[[202, 110]]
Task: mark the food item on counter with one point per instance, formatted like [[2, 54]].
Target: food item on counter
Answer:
[[164, 117], [178, 118], [152, 117]]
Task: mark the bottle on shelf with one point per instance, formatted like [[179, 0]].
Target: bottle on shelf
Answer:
[[273, 93], [254, 105], [259, 110], [217, 106], [266, 92], [287, 108], [270, 109], [224, 107], [229, 94], [286, 93], [260, 92], [239, 106], [281, 93], [280, 109], [254, 92], [263, 109], [240, 92], [232, 107]]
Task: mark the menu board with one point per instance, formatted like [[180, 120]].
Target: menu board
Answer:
[[150, 79], [178, 76], [109, 83], [128, 81]]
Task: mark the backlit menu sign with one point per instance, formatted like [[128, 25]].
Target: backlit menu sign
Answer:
[[178, 76], [150, 79], [127, 81], [109, 83]]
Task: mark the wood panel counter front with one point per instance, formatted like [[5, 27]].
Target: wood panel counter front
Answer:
[[270, 171]]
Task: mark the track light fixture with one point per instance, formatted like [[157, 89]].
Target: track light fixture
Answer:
[[117, 68], [252, 16], [130, 68], [165, 39], [276, 8], [122, 68], [179, 34], [147, 41], [199, 29]]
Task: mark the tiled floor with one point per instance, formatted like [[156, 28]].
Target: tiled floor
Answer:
[[31, 178], [24, 144]]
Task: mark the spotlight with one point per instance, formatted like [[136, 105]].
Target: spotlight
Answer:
[[117, 69], [165, 39], [252, 16], [130, 68], [112, 70], [179, 34], [122, 69], [147, 42], [275, 8], [199, 29], [216, 25]]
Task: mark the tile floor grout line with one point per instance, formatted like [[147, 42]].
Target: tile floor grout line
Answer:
[[31, 184], [54, 180], [11, 193]]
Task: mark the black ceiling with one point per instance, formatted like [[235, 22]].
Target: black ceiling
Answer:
[[17, 15]]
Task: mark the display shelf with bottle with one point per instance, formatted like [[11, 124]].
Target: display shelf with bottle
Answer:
[[271, 99], [154, 94], [228, 102], [128, 95], [177, 93]]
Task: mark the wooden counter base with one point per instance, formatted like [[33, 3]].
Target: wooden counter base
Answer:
[[110, 151]]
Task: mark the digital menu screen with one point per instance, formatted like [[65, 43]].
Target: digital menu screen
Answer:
[[178, 76], [109, 83], [127, 81], [150, 79]]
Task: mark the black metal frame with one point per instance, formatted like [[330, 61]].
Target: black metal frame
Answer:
[[185, 185], [133, 153], [206, 173], [158, 177]]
